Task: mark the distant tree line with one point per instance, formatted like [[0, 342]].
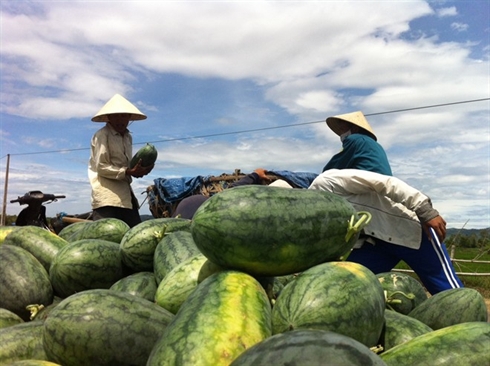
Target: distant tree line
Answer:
[[469, 238]]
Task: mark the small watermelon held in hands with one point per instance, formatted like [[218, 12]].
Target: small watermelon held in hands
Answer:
[[148, 155]]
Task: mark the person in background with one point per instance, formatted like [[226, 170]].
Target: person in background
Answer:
[[360, 149], [404, 226], [109, 172]]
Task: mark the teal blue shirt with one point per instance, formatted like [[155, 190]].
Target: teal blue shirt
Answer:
[[360, 152]]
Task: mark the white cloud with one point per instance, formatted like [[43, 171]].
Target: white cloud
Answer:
[[447, 12], [460, 27]]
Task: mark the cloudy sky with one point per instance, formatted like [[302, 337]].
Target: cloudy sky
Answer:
[[245, 84]]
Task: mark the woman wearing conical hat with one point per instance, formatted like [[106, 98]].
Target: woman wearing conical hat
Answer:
[[109, 172], [360, 149]]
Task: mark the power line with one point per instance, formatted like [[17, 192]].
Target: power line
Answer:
[[261, 129]]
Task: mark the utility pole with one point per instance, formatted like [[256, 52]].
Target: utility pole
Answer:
[[4, 210]]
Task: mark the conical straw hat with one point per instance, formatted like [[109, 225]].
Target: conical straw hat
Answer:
[[118, 104], [356, 118]]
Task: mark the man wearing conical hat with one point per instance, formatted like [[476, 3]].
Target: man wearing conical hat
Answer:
[[109, 172], [360, 149]]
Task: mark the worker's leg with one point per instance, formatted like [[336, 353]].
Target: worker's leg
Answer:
[[377, 257], [431, 262]]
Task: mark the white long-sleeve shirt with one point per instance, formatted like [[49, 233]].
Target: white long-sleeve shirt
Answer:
[[396, 207], [111, 153]]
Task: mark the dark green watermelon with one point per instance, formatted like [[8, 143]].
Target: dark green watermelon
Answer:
[[21, 342], [103, 327], [449, 307], [308, 347], [139, 243], [342, 297], [142, 284], [9, 318], [109, 229], [23, 281], [273, 231], [86, 264], [148, 155], [400, 328], [403, 292]]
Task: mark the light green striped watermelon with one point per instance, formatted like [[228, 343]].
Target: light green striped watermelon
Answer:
[[226, 314], [178, 284], [172, 250], [21, 342]]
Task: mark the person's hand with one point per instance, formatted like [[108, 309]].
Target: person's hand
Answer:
[[262, 173], [439, 226], [139, 171]]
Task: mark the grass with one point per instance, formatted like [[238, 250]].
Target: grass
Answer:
[[480, 283]]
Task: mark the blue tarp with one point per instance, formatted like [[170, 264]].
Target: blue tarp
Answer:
[[174, 189]]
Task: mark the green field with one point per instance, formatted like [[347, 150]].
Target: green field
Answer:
[[481, 283]]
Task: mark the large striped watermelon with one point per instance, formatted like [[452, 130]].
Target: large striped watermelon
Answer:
[[342, 297], [308, 347], [103, 327], [273, 231], [86, 264], [23, 281], [462, 344], [449, 307], [73, 232], [41, 243], [226, 314]]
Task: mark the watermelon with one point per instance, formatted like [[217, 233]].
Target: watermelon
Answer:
[[400, 328], [41, 312], [148, 155], [142, 284], [110, 229], [21, 342], [403, 292], [449, 307], [272, 231], [41, 243], [6, 230], [73, 231], [86, 264], [139, 243], [226, 314], [23, 281], [342, 297], [456, 345], [177, 285], [103, 327], [33, 363], [9, 318], [308, 347], [173, 249]]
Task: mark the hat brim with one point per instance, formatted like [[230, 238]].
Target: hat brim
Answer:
[[105, 117]]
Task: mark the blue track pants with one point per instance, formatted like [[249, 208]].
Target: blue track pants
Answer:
[[431, 262]]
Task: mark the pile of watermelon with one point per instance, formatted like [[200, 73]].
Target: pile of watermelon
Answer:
[[258, 277]]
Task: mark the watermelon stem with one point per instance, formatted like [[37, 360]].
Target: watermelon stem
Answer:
[[355, 228], [34, 309]]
